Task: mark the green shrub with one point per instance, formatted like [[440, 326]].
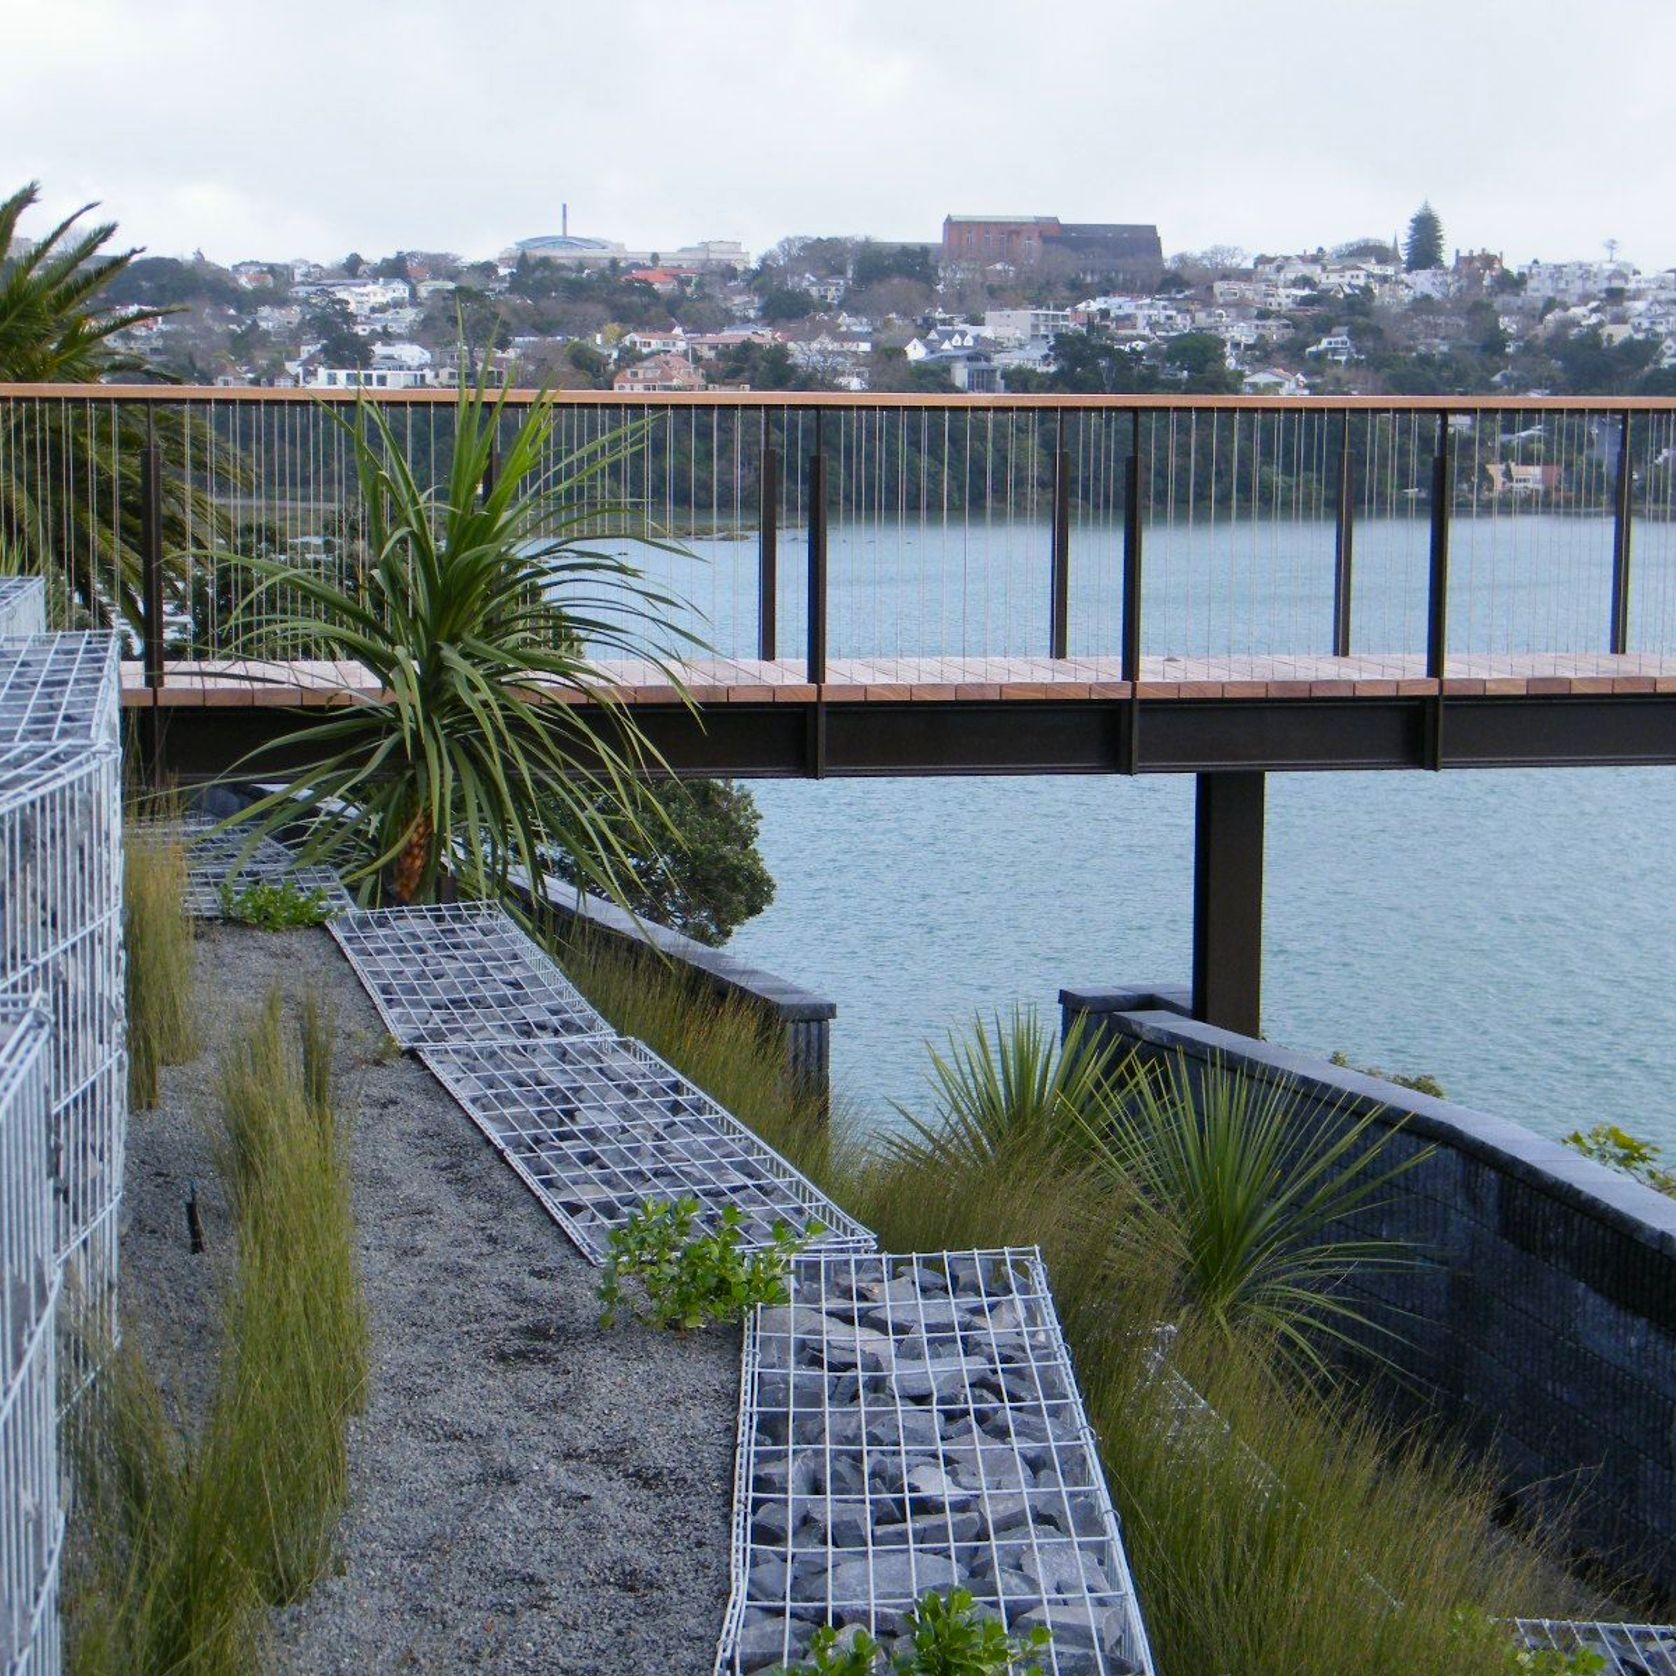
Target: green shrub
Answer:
[[1421, 1082], [160, 954], [275, 904], [945, 1636], [1607, 1144], [690, 1278]]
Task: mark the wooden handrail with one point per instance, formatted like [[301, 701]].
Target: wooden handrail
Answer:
[[175, 394]]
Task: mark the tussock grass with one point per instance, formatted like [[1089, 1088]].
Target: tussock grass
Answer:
[[179, 1540], [161, 961], [1292, 1532]]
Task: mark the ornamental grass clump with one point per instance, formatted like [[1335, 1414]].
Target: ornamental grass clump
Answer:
[[160, 953], [479, 608], [180, 1537]]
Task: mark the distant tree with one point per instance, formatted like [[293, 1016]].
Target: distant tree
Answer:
[[765, 366], [892, 370], [706, 877], [1089, 363], [875, 262], [353, 263], [1366, 250], [1204, 358], [592, 363], [1424, 246], [390, 267], [167, 282], [786, 303], [330, 323]]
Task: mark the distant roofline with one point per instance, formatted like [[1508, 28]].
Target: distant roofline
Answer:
[[1053, 218]]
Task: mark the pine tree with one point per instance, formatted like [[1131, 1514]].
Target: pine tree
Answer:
[[1424, 247]]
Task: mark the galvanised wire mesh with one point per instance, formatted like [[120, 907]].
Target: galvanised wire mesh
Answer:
[[461, 972], [1628, 1649], [60, 689], [912, 1424], [31, 1526], [61, 937], [216, 858], [23, 606], [598, 1127]]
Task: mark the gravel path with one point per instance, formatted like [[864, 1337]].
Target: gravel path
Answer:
[[531, 1493]]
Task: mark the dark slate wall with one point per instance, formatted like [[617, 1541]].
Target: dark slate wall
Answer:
[[1541, 1317]]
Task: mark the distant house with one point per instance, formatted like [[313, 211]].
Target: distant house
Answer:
[[671, 341], [660, 372], [1274, 382], [1506, 478], [1335, 346], [372, 378]]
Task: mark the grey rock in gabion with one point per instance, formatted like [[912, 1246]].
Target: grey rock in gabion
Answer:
[[216, 858], [23, 606], [461, 973], [61, 938], [31, 1524], [599, 1126], [912, 1424]]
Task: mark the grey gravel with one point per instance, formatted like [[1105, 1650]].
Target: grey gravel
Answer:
[[530, 1492]]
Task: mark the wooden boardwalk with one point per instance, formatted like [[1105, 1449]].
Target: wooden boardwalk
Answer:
[[723, 681]]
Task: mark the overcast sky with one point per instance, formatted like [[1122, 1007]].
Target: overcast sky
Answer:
[[302, 127]]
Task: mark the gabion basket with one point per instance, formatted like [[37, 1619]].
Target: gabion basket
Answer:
[[31, 1525], [23, 606], [61, 937]]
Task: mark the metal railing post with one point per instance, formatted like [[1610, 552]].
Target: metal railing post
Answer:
[[491, 473], [1130, 753], [817, 556], [1621, 541], [1437, 588], [1059, 605], [1343, 543], [151, 554], [768, 545]]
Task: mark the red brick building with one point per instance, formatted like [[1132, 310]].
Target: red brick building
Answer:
[[1130, 252]]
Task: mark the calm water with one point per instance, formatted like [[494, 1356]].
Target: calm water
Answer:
[[1513, 933]]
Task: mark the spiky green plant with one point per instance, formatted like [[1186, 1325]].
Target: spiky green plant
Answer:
[[1015, 1091], [160, 960], [1251, 1196], [480, 612], [70, 473]]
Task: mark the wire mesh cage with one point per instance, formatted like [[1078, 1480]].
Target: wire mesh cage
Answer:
[[911, 1424], [1624, 1649], [30, 1521], [600, 1126], [461, 972], [61, 936], [23, 606], [222, 860]]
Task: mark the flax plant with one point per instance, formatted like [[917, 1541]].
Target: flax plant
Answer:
[[481, 611]]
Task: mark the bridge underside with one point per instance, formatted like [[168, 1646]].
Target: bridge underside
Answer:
[[924, 717], [205, 720]]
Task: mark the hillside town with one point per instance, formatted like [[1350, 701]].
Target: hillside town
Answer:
[[998, 304]]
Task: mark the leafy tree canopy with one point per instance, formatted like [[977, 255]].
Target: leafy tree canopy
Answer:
[[785, 303]]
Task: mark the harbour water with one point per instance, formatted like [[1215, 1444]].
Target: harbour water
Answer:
[[1511, 932]]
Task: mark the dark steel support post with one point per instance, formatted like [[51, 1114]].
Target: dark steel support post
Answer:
[[491, 473], [817, 559], [1131, 655], [1343, 544], [1059, 605], [1437, 596], [1620, 542], [150, 728], [1228, 901], [768, 548]]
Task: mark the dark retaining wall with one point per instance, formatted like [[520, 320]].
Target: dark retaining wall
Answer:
[[1542, 1314]]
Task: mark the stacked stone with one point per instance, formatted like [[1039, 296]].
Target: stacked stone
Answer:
[[218, 858], [31, 1525], [61, 937], [912, 1424], [461, 972], [23, 606], [599, 1126]]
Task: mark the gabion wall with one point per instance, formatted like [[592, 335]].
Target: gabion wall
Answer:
[[23, 606], [61, 937], [31, 1527]]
